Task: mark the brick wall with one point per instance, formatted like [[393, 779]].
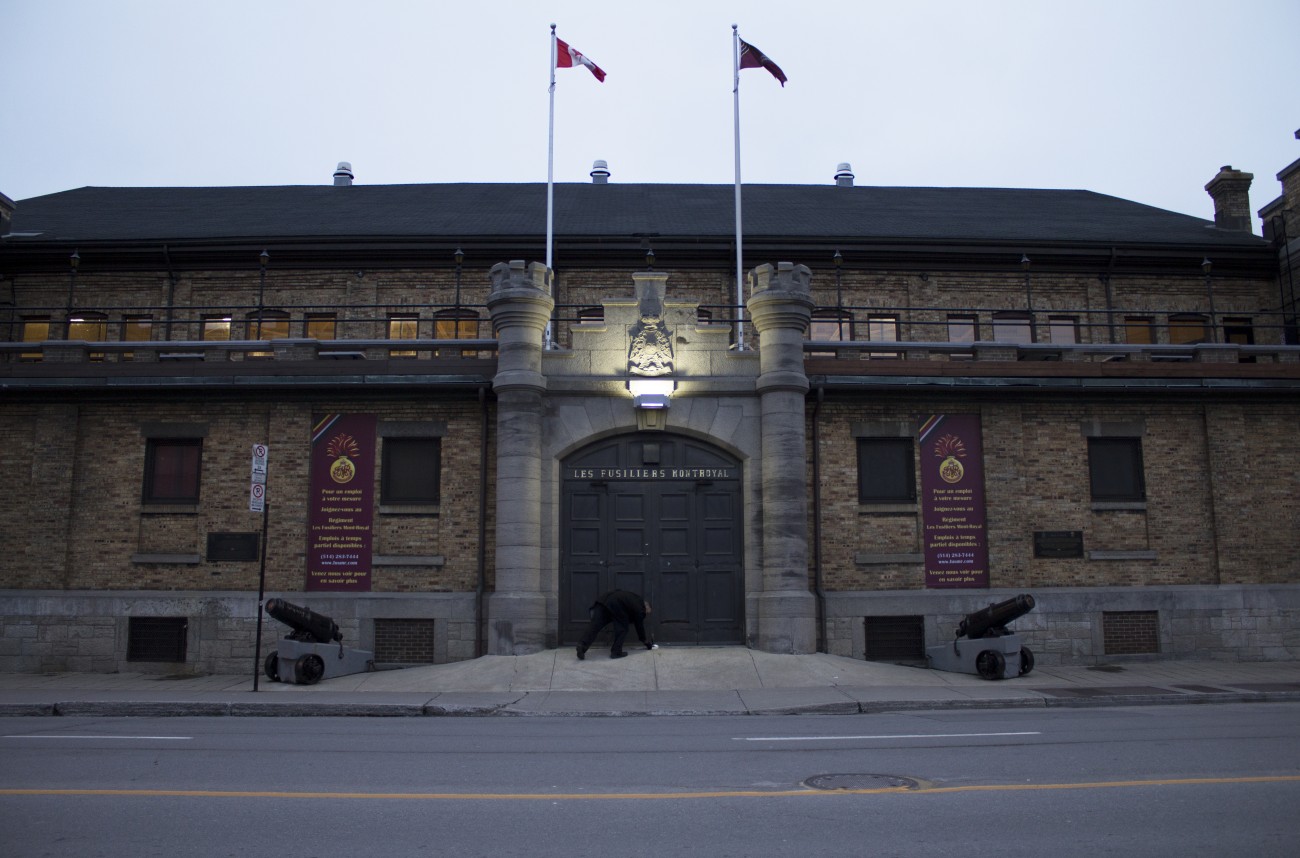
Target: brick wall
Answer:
[[1217, 476], [86, 464]]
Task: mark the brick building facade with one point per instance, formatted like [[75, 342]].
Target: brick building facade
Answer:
[[1131, 376]]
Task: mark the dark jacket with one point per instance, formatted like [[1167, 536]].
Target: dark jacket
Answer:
[[626, 608]]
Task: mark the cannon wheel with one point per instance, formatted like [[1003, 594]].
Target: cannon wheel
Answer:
[[990, 664], [272, 667], [308, 669], [1026, 660]]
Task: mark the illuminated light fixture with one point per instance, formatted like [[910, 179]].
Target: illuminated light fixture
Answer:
[[651, 393]]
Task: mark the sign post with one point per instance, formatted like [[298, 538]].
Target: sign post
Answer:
[[257, 503]]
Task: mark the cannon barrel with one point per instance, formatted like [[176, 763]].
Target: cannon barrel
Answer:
[[981, 622], [320, 628]]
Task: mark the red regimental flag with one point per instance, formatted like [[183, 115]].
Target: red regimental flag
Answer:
[[568, 58], [752, 58]]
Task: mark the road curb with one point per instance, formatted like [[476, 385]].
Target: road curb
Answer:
[[307, 709]]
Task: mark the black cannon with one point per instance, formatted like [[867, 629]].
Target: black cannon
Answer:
[[984, 645], [308, 626], [991, 622], [307, 655]]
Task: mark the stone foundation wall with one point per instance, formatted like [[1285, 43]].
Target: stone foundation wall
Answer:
[[1226, 623], [87, 632]]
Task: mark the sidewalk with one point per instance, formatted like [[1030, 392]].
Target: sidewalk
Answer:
[[669, 681]]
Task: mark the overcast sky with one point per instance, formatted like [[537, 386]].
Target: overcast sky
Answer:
[[1142, 99]]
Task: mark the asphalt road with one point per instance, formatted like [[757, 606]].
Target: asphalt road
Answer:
[[1185, 780]]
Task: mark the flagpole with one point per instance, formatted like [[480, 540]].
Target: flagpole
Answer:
[[740, 266], [550, 174]]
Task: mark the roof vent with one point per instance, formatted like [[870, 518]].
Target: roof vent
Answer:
[[600, 173], [844, 175], [343, 174]]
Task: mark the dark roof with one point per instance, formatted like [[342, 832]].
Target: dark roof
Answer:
[[610, 210]]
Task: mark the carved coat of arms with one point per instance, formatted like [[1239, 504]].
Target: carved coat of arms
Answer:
[[651, 352]]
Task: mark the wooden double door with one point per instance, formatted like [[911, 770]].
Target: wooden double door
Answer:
[[661, 516]]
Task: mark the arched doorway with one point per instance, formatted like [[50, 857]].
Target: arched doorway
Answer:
[[660, 515]]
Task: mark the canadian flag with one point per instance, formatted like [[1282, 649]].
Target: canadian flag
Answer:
[[567, 58]]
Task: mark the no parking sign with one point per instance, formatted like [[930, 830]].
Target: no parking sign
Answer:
[[257, 487]]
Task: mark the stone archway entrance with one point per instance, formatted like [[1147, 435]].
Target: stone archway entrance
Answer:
[[660, 515]]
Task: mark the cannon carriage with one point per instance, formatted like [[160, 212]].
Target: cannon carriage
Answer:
[[308, 653], [984, 645]]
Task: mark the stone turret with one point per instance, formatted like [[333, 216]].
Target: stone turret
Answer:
[[781, 307], [521, 305]]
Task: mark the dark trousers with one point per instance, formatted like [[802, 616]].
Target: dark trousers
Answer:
[[601, 617]]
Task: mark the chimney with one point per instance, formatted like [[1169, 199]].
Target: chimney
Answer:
[[600, 173], [844, 175], [1230, 190], [343, 175]]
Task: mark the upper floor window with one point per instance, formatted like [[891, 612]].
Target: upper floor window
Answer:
[[268, 325], [403, 326], [1188, 328], [216, 327], [411, 471], [1063, 330], [886, 470], [1239, 331], [136, 329], [882, 329], [320, 326], [90, 327], [1115, 469], [1139, 330], [1013, 327], [36, 329], [455, 325], [830, 326], [171, 470], [962, 329]]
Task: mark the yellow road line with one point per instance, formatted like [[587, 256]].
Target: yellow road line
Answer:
[[488, 796]]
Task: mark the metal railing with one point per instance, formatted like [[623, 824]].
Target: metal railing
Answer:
[[919, 332], [1006, 351], [159, 351]]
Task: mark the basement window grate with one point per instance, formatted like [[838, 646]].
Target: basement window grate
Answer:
[[156, 638], [895, 638], [1130, 632], [404, 641]]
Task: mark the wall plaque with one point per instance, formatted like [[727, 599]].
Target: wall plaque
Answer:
[[1058, 543], [232, 547]]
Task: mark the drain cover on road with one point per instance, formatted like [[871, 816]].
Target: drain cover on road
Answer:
[[853, 781]]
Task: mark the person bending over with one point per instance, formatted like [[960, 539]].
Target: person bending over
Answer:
[[620, 608]]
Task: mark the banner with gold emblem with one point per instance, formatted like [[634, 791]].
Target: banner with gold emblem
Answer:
[[952, 501], [341, 512]]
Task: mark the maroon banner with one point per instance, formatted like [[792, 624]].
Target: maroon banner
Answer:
[[952, 502], [342, 509]]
